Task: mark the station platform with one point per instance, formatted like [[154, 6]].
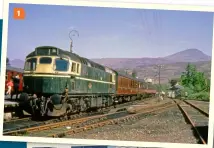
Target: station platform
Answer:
[[8, 102]]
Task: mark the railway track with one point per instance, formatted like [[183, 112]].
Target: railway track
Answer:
[[197, 117], [61, 129], [115, 120], [23, 125]]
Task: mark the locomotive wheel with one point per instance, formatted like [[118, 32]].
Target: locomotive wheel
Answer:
[[56, 99], [23, 97]]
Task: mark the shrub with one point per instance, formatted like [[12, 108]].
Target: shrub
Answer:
[[201, 96]]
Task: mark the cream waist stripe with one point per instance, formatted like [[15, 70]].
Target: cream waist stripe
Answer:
[[67, 76]]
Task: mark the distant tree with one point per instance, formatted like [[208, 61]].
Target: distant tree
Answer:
[[173, 82], [194, 79], [7, 61], [134, 73]]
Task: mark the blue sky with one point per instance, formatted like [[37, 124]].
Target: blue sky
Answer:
[[109, 32]]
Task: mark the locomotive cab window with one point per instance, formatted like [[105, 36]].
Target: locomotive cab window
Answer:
[[54, 51], [45, 60], [73, 67], [30, 64], [61, 65], [42, 51]]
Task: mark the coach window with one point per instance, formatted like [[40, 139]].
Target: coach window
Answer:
[[61, 65], [73, 67], [30, 64], [45, 60]]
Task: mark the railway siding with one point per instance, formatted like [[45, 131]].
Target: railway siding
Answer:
[[197, 118]]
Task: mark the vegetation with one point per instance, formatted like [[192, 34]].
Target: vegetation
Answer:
[[134, 73], [195, 83], [7, 61]]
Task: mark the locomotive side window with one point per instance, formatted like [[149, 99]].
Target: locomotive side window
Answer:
[[61, 65], [45, 60], [73, 68], [30, 64], [78, 65], [110, 78], [113, 77]]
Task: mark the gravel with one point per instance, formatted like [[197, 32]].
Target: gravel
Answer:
[[168, 126]]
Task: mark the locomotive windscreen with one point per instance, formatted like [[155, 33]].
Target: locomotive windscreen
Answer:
[[30, 64]]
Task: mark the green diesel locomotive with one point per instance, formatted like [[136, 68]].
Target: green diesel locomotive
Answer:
[[59, 82], [53, 75]]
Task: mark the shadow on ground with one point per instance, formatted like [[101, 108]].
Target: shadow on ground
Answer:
[[203, 130]]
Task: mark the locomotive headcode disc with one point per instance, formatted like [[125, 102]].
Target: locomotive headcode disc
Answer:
[[89, 85]]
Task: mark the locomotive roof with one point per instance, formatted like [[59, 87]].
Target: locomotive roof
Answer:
[[73, 56], [10, 68], [82, 60]]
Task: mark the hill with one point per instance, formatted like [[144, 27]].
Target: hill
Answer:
[[189, 55], [174, 64]]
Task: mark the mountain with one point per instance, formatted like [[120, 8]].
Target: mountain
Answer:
[[189, 55], [116, 63], [17, 63]]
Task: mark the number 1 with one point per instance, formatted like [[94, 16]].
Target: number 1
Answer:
[[18, 12]]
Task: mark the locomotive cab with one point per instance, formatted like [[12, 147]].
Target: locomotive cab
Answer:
[[44, 70], [47, 74]]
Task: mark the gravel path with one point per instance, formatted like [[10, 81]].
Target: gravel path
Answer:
[[168, 126]]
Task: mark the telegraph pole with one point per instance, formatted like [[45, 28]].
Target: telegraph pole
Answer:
[[159, 67], [71, 34]]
